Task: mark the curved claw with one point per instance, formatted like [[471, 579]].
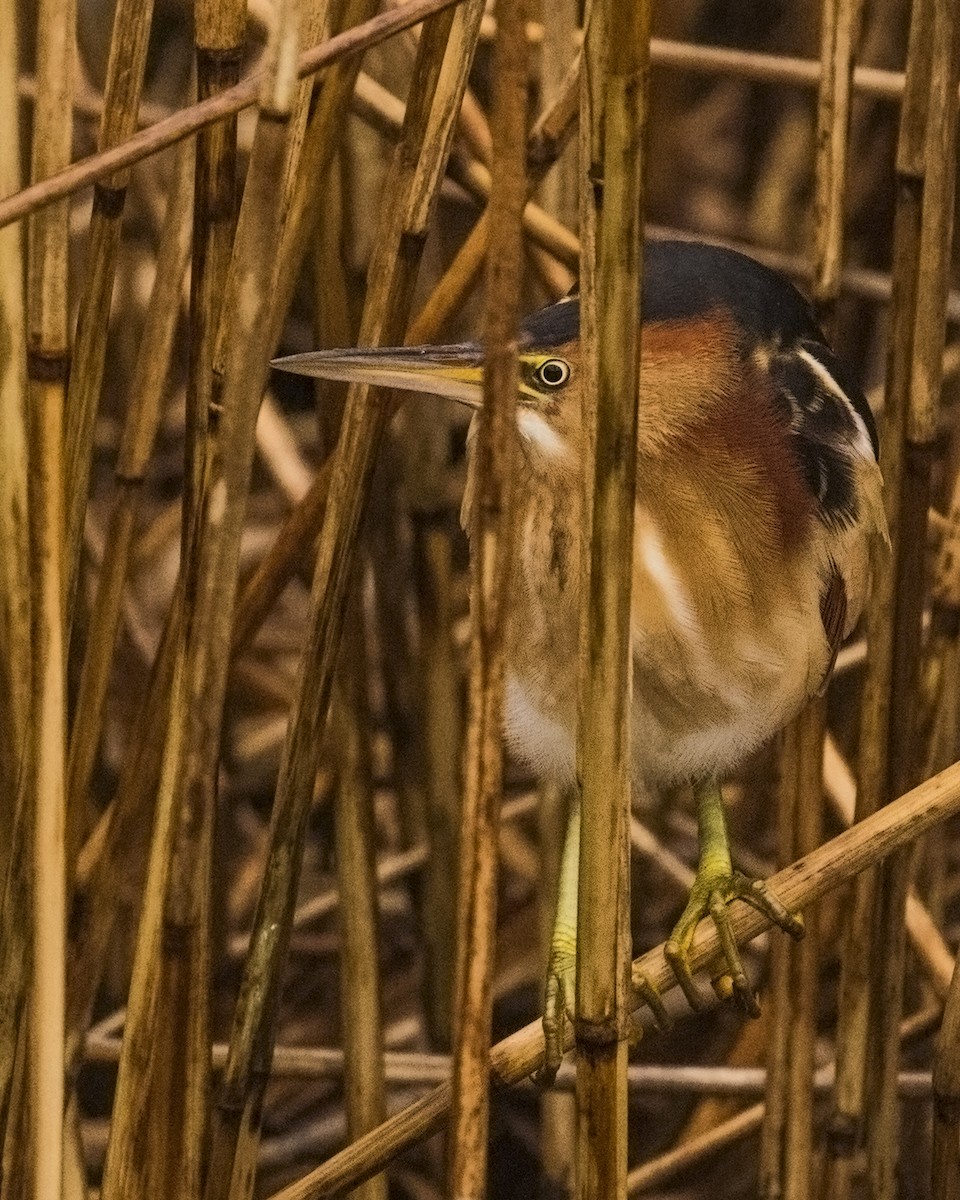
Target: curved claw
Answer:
[[677, 955], [557, 1007], [709, 897], [651, 997]]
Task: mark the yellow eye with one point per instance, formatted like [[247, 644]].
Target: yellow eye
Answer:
[[552, 373]]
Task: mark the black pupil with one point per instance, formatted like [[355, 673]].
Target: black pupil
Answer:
[[552, 372]]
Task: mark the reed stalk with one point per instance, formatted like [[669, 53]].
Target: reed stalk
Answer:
[[115, 868], [443, 727], [15, 599], [42, 779], [835, 863], [491, 571], [779, 1013], [617, 62], [219, 42], [322, 137], [360, 975], [799, 1181], [14, 532]]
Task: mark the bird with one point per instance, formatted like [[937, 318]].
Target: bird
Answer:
[[759, 518]]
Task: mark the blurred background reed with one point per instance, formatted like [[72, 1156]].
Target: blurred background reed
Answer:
[[152, 621]]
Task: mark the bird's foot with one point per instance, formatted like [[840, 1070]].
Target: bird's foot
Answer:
[[558, 1007], [647, 991], [711, 893]]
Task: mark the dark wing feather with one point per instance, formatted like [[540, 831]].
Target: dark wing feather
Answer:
[[833, 614]]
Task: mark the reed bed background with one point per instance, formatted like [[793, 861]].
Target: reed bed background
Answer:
[[269, 892]]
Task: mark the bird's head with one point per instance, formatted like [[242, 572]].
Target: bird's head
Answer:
[[548, 400]]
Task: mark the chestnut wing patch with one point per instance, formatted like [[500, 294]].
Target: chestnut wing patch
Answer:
[[833, 614]]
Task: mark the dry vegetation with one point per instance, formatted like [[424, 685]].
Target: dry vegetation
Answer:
[[191, 579]]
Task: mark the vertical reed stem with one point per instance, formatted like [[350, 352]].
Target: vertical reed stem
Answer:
[[14, 532], [491, 537], [360, 976], [617, 62], [43, 779], [219, 37]]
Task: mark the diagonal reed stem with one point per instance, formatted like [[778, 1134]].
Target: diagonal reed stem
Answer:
[[521, 1054]]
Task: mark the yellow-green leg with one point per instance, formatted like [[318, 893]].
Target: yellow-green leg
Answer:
[[561, 986], [561, 989], [716, 884]]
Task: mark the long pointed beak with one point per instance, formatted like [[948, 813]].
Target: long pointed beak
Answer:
[[452, 371]]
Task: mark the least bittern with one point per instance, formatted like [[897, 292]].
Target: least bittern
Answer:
[[758, 509]]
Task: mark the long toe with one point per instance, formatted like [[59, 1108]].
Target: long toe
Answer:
[[764, 899]]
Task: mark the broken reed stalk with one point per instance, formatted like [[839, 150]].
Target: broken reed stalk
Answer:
[[444, 56], [169, 989], [121, 104], [42, 784], [188, 121], [835, 863], [932, 270], [857, 1011], [219, 38], [14, 533], [361, 1022], [617, 62], [140, 429], [491, 528]]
